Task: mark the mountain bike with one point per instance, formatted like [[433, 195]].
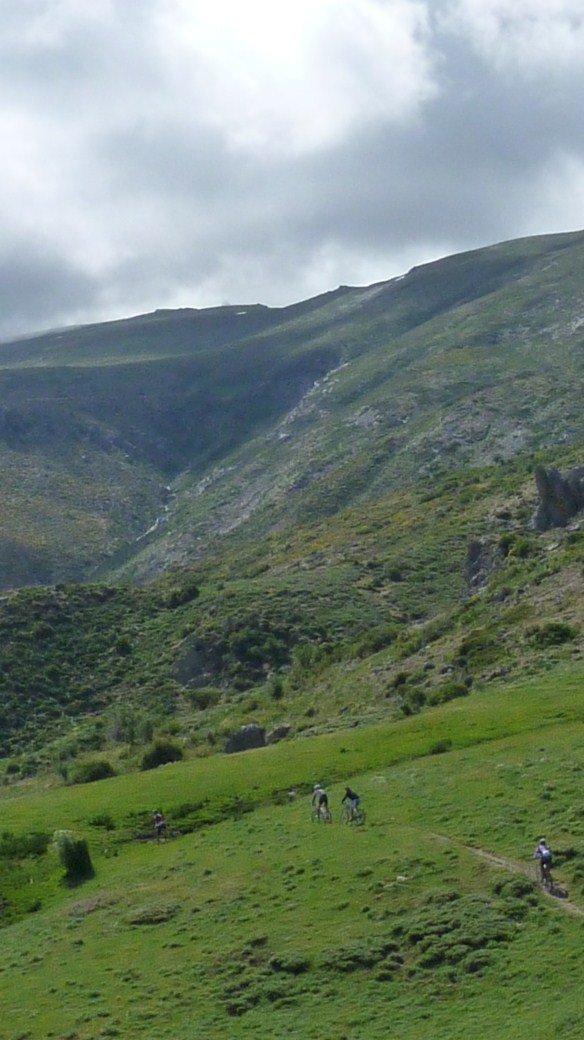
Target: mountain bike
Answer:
[[352, 814], [322, 814], [544, 872]]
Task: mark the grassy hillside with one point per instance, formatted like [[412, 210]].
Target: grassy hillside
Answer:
[[255, 921], [380, 612]]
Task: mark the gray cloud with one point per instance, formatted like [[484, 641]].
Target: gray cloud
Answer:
[[164, 154]]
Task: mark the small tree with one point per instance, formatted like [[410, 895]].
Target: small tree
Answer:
[[161, 752], [74, 856]]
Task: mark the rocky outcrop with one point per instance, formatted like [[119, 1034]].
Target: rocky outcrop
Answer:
[[483, 556], [244, 739], [561, 497]]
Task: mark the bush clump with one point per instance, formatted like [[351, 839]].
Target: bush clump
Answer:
[[74, 856], [553, 634], [19, 846], [91, 770], [458, 933], [204, 696], [448, 691], [289, 963], [440, 747], [161, 752], [360, 955], [182, 594]]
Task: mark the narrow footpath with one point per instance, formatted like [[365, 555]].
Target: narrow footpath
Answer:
[[558, 895]]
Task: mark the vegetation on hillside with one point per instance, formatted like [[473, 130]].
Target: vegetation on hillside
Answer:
[[252, 919], [380, 612]]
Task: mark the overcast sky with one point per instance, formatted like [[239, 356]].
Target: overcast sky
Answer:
[[167, 153]]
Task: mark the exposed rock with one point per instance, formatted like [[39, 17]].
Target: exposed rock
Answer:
[[278, 733], [247, 737], [560, 497], [482, 557]]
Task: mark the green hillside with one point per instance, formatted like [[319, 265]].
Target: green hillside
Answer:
[[379, 612], [255, 921]]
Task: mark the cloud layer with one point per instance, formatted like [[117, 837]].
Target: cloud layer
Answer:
[[161, 153]]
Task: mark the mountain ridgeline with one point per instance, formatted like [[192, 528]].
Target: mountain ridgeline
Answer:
[[193, 423], [301, 515]]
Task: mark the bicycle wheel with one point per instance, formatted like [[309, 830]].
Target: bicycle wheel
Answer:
[[345, 816], [322, 816], [359, 817]]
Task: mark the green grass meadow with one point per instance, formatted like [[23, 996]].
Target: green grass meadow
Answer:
[[253, 921]]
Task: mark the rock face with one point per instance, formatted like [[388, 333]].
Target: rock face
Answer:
[[560, 497], [247, 737], [483, 555]]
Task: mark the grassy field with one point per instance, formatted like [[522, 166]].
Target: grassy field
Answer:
[[253, 921]]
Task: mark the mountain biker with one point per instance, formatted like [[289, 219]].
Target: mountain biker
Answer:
[[543, 855], [319, 799], [353, 800], [159, 824]]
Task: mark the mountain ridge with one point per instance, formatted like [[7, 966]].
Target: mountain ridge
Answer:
[[355, 390]]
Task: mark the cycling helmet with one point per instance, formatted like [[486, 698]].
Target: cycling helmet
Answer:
[[317, 787]]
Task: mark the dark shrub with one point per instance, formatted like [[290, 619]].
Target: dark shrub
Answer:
[[182, 594], [74, 856], [102, 820], [412, 701], [553, 634], [91, 770], [204, 696], [375, 639], [18, 846], [161, 752], [290, 963], [276, 689], [441, 746], [447, 692]]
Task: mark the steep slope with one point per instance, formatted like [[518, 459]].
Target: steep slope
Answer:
[[470, 361], [387, 608], [204, 419]]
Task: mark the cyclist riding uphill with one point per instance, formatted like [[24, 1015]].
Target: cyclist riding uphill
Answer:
[[352, 798], [159, 823], [543, 854], [319, 797]]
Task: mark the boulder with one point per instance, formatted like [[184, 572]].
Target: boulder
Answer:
[[560, 497], [244, 739]]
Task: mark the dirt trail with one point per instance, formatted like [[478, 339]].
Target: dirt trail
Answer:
[[558, 895]]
